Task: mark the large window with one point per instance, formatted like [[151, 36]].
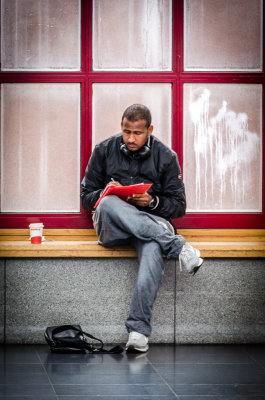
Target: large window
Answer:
[[69, 68]]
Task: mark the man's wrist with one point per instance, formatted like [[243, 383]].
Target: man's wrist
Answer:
[[153, 203]]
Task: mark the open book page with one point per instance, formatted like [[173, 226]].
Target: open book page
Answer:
[[124, 191]]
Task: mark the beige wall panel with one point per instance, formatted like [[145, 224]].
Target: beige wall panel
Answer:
[[223, 35], [223, 147], [132, 35], [40, 148], [40, 35], [111, 99]]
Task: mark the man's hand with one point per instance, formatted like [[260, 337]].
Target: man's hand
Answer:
[[114, 183], [140, 200]]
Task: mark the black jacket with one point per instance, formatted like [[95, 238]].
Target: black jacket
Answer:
[[160, 167]]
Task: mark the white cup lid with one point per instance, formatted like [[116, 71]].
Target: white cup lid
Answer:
[[37, 225]]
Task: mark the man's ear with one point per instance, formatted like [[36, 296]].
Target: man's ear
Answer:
[[150, 130]]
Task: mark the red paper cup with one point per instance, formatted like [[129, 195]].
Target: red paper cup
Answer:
[[35, 239], [36, 233]]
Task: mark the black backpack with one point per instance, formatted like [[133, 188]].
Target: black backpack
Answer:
[[72, 339]]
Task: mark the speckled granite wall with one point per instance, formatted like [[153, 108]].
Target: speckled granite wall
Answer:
[[94, 293], [2, 299], [223, 303]]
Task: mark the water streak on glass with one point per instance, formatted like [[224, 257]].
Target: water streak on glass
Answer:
[[40, 147], [223, 35], [132, 35], [40, 35], [223, 147]]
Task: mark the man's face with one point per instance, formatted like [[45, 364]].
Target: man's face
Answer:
[[135, 134]]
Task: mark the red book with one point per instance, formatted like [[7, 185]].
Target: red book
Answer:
[[124, 191]]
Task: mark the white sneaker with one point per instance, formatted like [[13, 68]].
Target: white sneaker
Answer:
[[137, 342], [189, 258]]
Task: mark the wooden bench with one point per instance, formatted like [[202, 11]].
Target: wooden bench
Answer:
[[83, 243]]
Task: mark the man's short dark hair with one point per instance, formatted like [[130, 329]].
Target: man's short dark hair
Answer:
[[136, 112]]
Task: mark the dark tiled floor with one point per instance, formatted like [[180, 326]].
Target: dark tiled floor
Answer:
[[187, 372]]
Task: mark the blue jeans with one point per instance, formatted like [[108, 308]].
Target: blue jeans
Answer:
[[117, 222]]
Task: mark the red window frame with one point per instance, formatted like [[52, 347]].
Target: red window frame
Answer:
[[177, 77]]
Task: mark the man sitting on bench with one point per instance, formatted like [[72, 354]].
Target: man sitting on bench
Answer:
[[144, 220]]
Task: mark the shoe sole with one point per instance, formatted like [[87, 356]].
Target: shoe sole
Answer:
[[132, 349], [196, 269]]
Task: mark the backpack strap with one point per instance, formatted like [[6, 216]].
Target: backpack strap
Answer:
[[115, 350]]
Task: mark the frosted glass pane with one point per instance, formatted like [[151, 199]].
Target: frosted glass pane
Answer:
[[40, 148], [223, 147], [223, 35], [111, 99], [132, 35], [40, 35]]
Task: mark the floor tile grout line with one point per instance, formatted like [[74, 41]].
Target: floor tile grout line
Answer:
[[162, 378], [5, 297], [43, 366], [256, 361]]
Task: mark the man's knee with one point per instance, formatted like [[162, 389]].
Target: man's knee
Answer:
[[114, 207], [107, 205]]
